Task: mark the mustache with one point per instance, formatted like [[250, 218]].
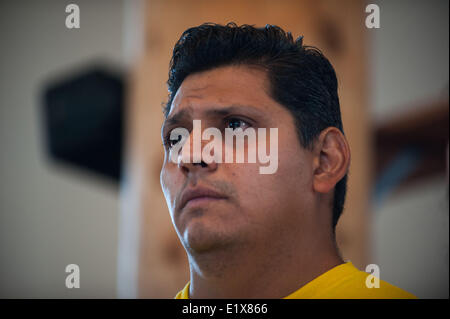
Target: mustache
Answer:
[[225, 188]]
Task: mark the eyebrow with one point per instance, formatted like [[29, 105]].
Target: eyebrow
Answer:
[[228, 110], [177, 117]]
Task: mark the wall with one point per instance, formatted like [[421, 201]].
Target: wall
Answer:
[[408, 56], [410, 66], [51, 215]]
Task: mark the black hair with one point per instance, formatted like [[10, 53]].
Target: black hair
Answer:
[[301, 77]]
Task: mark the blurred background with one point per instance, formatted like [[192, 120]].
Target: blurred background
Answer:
[[80, 156]]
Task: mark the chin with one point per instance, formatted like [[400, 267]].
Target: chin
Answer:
[[202, 237]]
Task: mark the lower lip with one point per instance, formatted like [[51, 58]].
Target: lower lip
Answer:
[[199, 201]]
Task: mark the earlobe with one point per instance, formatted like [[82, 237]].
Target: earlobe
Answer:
[[331, 159]]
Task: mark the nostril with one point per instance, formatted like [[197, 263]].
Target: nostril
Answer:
[[202, 164], [184, 168]]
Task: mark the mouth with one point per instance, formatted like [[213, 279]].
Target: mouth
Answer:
[[200, 196]]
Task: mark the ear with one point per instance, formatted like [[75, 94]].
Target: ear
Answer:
[[331, 159]]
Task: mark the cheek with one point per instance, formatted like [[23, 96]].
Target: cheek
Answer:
[[169, 184], [296, 175], [287, 185], [295, 167], [291, 185]]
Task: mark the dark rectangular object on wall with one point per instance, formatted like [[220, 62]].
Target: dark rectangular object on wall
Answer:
[[84, 121]]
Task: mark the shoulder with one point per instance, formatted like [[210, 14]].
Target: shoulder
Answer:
[[358, 284], [184, 293], [361, 285], [345, 281]]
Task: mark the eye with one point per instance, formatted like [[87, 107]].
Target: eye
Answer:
[[235, 123], [170, 142]]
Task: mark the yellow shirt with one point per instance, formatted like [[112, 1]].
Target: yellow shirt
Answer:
[[344, 281]]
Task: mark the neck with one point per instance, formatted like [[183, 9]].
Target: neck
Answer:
[[269, 270]]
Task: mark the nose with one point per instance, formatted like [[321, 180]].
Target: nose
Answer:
[[188, 154]]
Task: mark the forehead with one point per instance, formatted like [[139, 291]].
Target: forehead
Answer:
[[224, 86]]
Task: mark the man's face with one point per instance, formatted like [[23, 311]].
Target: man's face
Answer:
[[238, 206]]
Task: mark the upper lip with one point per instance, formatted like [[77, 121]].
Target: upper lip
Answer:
[[197, 192]]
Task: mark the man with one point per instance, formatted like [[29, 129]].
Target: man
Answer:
[[247, 234]]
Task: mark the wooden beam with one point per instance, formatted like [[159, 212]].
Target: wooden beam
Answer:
[[336, 27]]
